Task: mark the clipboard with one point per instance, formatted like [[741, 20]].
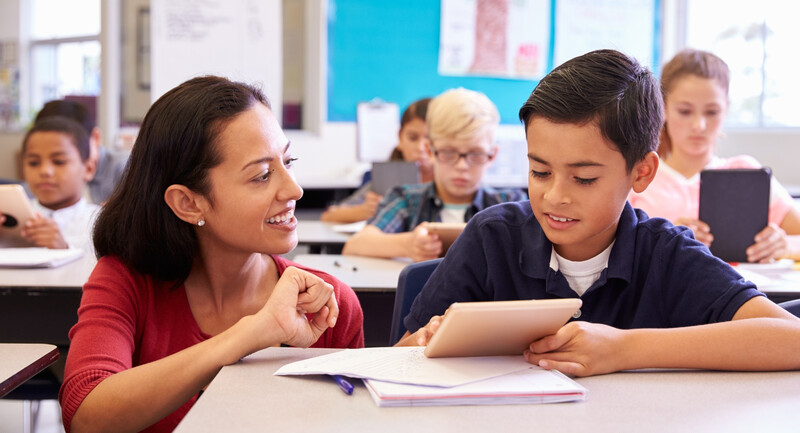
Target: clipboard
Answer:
[[735, 205], [377, 124]]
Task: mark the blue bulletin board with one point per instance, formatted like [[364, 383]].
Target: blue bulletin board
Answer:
[[390, 50]]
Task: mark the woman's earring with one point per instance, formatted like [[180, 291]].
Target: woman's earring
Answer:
[[201, 223]]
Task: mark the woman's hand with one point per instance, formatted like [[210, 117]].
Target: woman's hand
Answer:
[[580, 349], [701, 230], [423, 335], [296, 294], [44, 232], [770, 244], [424, 245]]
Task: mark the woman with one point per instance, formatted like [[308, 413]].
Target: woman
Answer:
[[188, 278], [695, 89]]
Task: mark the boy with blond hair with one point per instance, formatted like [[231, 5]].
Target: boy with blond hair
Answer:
[[461, 124]]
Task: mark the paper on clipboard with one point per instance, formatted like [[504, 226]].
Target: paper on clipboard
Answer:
[[378, 123]]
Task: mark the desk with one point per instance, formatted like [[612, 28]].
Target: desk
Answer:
[[247, 397], [375, 283], [320, 236], [778, 284], [20, 362], [41, 305]]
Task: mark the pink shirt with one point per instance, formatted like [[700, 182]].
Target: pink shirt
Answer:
[[673, 196]]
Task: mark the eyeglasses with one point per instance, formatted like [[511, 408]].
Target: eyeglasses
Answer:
[[451, 157]]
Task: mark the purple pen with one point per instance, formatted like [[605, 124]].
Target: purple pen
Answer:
[[346, 386]]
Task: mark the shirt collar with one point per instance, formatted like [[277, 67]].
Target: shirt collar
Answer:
[[476, 205], [79, 206], [534, 259]]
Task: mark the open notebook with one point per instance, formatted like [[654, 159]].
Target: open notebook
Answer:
[[37, 257]]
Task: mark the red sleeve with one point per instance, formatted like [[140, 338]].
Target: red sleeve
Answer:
[[349, 329], [102, 342]]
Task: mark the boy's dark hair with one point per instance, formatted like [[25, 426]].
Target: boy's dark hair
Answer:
[[175, 145], [607, 87], [64, 125], [72, 109]]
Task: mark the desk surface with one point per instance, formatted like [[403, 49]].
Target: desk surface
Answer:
[[312, 232], [68, 276], [363, 274], [20, 362], [247, 397]]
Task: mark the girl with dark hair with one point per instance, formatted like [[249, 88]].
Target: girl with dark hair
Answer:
[[412, 146], [189, 278]]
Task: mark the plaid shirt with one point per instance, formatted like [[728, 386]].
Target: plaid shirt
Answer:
[[408, 205]]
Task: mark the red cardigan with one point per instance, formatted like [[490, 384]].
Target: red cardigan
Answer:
[[127, 319]]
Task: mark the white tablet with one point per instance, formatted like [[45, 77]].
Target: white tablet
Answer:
[[498, 327], [448, 232], [16, 207]]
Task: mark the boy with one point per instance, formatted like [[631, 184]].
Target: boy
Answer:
[[592, 128], [461, 124], [108, 165], [56, 166]]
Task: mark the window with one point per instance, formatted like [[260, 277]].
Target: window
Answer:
[[758, 42], [65, 50]]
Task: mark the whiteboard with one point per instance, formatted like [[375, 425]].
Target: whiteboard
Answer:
[[624, 25], [238, 39]]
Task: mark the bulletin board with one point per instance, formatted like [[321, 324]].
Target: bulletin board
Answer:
[[390, 50]]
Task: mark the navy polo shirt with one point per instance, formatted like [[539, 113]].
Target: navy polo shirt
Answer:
[[658, 275]]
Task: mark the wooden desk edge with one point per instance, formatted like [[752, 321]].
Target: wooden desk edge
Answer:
[[28, 372]]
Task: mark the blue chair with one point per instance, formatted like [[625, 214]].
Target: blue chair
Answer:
[[409, 284], [792, 306]]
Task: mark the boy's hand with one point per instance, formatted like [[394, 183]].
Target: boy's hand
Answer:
[[370, 205], [44, 232], [423, 335], [424, 245], [770, 244], [580, 349], [701, 230]]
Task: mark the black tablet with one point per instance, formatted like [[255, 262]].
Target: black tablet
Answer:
[[735, 205]]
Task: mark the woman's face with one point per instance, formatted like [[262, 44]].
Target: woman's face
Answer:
[[253, 191], [413, 142], [695, 110]]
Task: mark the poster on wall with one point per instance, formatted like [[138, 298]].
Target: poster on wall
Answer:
[[495, 38], [586, 25], [9, 86]]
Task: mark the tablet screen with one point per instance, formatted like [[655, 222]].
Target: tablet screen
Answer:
[[498, 327]]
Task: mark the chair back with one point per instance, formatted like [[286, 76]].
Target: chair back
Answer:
[[792, 306], [412, 278]]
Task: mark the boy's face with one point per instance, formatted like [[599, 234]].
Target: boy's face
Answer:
[[53, 168], [459, 167], [578, 184]]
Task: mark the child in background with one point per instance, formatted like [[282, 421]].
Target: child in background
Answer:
[[652, 295], [109, 165], [462, 125], [412, 144], [56, 167], [695, 91]]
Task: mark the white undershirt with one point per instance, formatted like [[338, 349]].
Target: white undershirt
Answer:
[[453, 213], [581, 275]]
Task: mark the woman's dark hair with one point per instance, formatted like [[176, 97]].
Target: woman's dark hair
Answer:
[[176, 145], [607, 87], [64, 125]]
